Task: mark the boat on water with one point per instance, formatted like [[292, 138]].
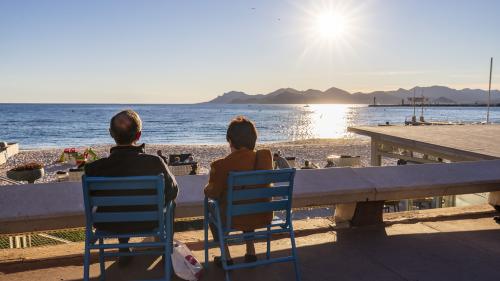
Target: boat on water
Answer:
[[427, 123], [421, 120]]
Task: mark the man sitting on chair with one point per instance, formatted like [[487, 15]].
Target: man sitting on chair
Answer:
[[125, 160], [241, 136]]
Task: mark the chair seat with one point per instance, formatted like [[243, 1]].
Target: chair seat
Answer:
[[276, 222]]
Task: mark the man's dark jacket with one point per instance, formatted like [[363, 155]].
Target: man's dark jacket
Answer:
[[127, 161]]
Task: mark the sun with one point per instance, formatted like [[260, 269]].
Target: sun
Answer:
[[330, 25], [332, 29]]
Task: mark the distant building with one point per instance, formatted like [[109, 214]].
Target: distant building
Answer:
[[418, 99]]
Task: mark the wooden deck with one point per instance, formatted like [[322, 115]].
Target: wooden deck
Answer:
[[453, 142]]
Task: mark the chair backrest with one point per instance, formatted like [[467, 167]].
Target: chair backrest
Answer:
[[124, 192], [273, 187]]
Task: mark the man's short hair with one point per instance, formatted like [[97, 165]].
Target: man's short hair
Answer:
[[242, 133], [125, 126]]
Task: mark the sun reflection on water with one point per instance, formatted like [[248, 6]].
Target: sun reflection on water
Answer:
[[323, 121]]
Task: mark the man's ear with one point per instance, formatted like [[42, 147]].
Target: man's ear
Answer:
[[138, 136], [111, 133]]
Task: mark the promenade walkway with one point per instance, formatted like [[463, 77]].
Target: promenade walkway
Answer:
[[439, 244]]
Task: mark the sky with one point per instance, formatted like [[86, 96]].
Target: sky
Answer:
[[192, 51]]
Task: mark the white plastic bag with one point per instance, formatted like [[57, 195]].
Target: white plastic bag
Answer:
[[185, 265]]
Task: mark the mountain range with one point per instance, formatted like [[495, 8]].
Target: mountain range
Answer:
[[435, 94]]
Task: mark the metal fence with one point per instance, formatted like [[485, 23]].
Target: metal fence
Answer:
[[65, 236], [57, 237]]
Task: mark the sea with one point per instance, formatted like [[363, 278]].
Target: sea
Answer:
[[70, 125]]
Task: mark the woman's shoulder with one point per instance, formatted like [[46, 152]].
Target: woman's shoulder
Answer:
[[264, 159], [266, 153], [217, 163]]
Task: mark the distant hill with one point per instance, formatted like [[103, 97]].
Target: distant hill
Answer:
[[436, 94]]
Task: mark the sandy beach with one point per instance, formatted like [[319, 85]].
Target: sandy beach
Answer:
[[315, 150]]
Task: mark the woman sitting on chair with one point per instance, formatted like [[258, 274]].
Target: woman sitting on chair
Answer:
[[241, 136]]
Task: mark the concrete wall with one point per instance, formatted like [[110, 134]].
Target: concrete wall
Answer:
[[34, 207]]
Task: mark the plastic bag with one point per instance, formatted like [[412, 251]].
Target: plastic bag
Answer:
[[185, 265]]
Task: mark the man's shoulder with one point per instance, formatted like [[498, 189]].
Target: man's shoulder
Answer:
[[139, 162], [151, 160], [91, 167], [149, 156]]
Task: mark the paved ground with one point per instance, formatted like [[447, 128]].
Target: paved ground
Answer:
[[444, 244]]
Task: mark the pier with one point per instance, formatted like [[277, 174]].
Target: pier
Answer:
[[436, 105]]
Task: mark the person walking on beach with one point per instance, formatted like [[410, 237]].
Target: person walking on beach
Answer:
[[194, 169], [241, 136], [330, 164], [129, 159], [309, 165]]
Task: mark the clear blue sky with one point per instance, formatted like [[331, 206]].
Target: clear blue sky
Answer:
[[191, 51]]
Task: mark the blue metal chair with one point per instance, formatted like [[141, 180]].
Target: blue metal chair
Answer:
[[279, 195], [163, 215]]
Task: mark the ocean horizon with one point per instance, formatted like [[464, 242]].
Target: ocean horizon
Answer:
[[46, 125]]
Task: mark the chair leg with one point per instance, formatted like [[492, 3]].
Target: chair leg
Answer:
[[222, 243], [169, 244], [168, 262], [222, 250], [101, 260], [268, 252], [86, 262], [294, 253], [205, 232]]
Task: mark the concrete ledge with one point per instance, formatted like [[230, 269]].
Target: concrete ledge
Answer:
[[36, 207]]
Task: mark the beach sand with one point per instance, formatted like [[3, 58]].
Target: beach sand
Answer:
[[315, 150]]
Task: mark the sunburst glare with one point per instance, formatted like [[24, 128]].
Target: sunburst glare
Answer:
[[331, 26]]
